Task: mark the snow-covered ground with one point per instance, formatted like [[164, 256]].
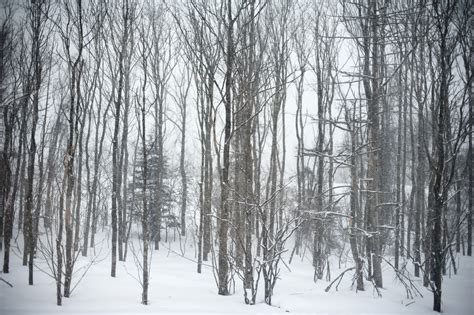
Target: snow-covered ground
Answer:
[[175, 287]]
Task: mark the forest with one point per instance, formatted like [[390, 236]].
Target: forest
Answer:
[[237, 143]]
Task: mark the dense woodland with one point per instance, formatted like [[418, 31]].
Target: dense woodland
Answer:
[[257, 131]]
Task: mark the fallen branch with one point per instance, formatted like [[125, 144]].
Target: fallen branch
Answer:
[[338, 278], [405, 280], [11, 285]]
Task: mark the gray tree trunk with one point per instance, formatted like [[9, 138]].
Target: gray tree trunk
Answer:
[[223, 265]]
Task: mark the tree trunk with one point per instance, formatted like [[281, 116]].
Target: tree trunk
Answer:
[[223, 269], [182, 169], [78, 192], [145, 215], [372, 95], [11, 184], [89, 188], [116, 166], [36, 12], [353, 221], [420, 169], [468, 66], [318, 241]]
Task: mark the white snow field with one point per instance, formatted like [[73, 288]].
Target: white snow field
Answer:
[[176, 287]]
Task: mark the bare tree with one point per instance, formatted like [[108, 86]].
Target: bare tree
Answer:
[[123, 34], [441, 170], [161, 67], [142, 108], [37, 23], [223, 269], [99, 135], [8, 112], [183, 83]]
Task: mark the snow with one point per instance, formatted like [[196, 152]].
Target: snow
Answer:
[[176, 287]]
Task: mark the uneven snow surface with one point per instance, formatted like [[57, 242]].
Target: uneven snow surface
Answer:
[[175, 287]]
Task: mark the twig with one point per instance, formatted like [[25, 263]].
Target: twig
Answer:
[[11, 285], [180, 255]]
